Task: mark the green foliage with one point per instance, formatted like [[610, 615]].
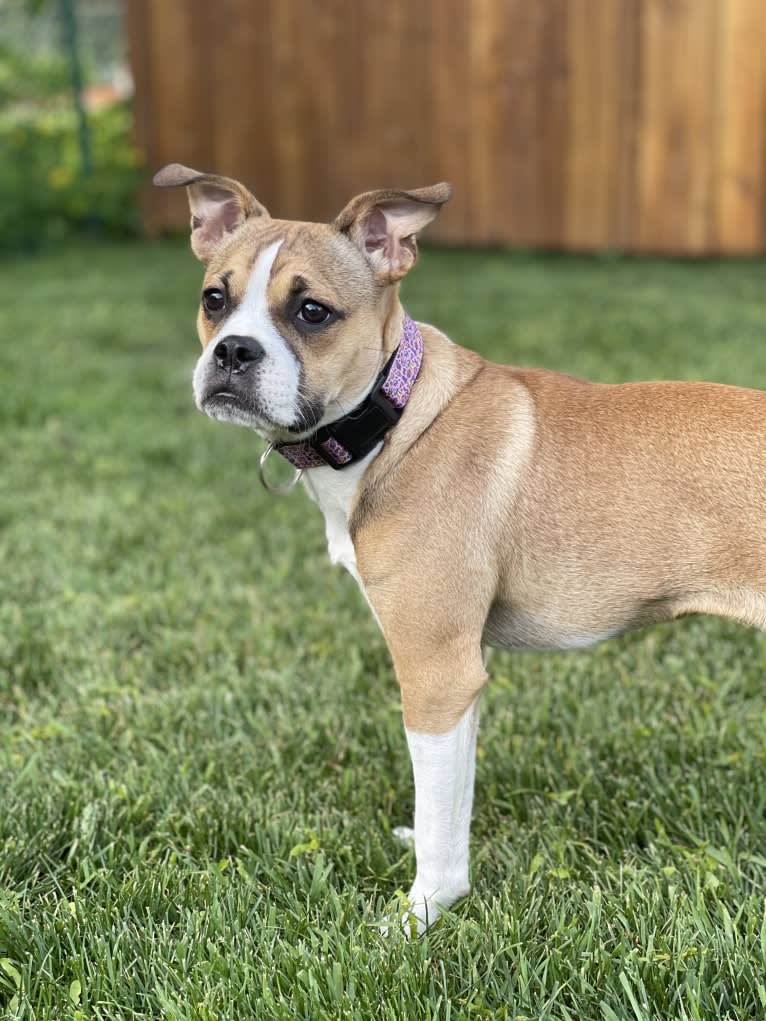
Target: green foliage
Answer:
[[30, 77], [201, 752], [43, 193]]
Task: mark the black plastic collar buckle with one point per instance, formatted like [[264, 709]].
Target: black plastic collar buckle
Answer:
[[362, 428]]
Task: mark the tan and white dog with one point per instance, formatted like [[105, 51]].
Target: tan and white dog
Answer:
[[503, 507]]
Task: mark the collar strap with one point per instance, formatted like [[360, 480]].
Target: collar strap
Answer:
[[353, 436]]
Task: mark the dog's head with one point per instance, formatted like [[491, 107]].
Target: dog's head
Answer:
[[292, 314]]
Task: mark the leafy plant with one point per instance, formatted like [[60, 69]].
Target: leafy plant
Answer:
[[44, 195], [30, 77]]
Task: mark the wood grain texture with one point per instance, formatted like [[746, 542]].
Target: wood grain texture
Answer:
[[596, 101], [740, 152], [675, 182], [241, 86], [136, 19], [450, 128], [582, 124]]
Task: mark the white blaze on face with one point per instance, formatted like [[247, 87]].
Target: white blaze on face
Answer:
[[278, 374]]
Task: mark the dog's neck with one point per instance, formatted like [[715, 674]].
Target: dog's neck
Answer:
[[350, 438]]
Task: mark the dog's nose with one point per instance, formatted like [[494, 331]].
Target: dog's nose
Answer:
[[237, 353]]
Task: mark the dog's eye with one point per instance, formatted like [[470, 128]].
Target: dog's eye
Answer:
[[314, 314], [213, 300]]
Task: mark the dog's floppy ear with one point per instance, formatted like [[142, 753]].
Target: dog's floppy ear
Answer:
[[218, 205], [384, 225]]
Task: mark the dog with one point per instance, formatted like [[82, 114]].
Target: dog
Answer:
[[476, 505]]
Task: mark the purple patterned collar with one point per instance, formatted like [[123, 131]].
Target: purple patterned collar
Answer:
[[352, 437]]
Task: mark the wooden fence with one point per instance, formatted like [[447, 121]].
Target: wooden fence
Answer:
[[582, 124]]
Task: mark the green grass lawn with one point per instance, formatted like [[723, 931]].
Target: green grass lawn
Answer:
[[201, 753]]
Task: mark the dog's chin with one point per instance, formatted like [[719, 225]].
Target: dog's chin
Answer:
[[225, 406]]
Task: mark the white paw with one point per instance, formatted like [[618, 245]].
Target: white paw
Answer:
[[419, 912], [405, 834], [410, 919]]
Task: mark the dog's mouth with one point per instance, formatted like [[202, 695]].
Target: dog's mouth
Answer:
[[226, 405], [222, 395]]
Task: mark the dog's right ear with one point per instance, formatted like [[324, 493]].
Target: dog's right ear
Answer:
[[218, 205]]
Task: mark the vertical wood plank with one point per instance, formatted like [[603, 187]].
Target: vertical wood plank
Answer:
[[289, 106], [553, 123], [235, 44], [136, 16], [394, 95], [332, 128], [449, 73], [519, 130], [740, 180], [628, 50], [488, 206], [505, 139], [593, 158], [180, 98], [603, 55], [674, 200]]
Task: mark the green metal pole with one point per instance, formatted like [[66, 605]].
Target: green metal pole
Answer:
[[71, 40]]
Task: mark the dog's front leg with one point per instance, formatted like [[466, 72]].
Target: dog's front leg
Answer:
[[443, 767], [441, 682], [434, 631]]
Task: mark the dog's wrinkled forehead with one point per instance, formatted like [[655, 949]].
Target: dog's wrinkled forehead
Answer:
[[307, 258]]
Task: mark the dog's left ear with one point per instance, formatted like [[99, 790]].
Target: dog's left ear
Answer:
[[384, 225], [218, 205]]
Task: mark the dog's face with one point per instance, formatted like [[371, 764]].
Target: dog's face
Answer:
[[292, 315], [282, 304]]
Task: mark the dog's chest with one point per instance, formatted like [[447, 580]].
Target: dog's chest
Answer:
[[334, 492]]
